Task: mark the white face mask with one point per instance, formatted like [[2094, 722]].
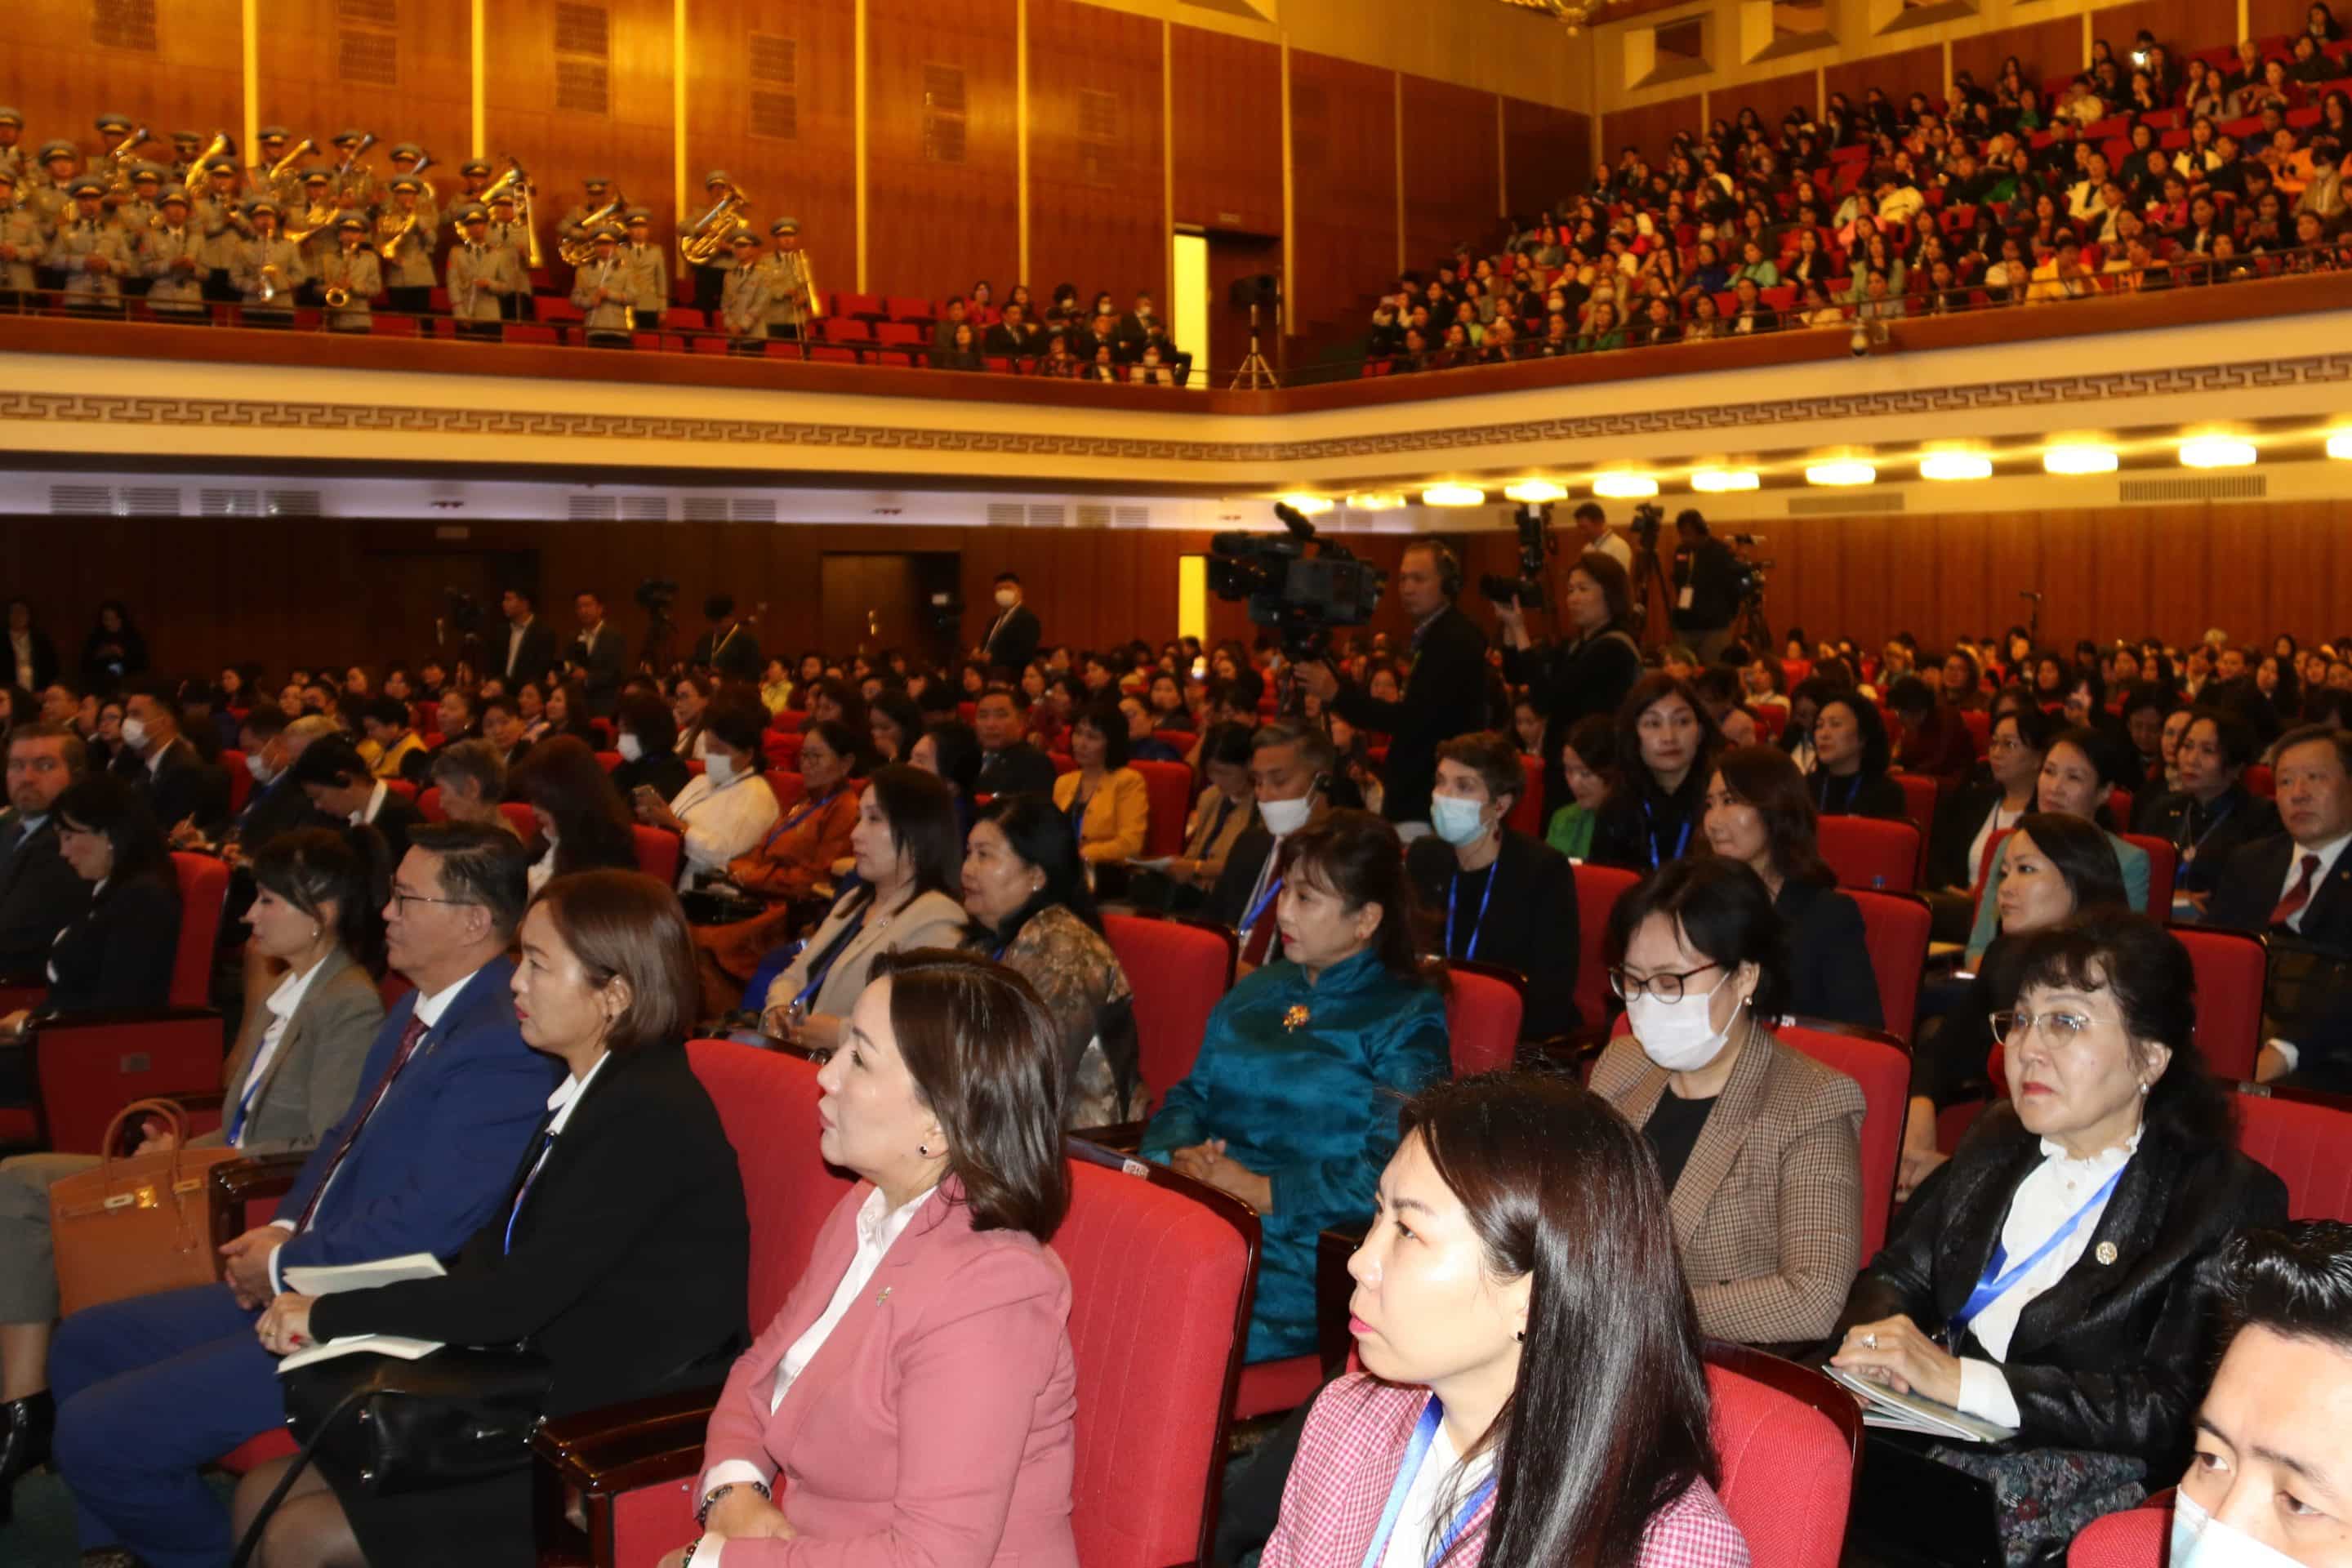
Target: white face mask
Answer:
[[1005, 598], [2200, 1541], [720, 769], [1457, 821], [1285, 817], [630, 747], [1677, 1036], [134, 733], [257, 767]]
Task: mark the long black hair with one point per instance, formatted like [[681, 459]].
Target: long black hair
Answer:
[[922, 818], [310, 868], [1040, 838], [100, 802]]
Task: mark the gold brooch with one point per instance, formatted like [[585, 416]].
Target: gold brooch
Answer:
[[884, 1297], [1297, 1017], [2106, 1253]]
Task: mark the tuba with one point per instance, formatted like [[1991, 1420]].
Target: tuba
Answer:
[[579, 250], [700, 244], [193, 178]]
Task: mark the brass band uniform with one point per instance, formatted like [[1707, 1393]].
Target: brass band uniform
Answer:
[[509, 233], [224, 227], [12, 150], [648, 271], [23, 246], [44, 197], [173, 262], [350, 279], [480, 277], [597, 206], [602, 289], [353, 176], [88, 251], [408, 161], [743, 302], [311, 220], [267, 270], [792, 298], [122, 142], [140, 216], [405, 242], [704, 247]]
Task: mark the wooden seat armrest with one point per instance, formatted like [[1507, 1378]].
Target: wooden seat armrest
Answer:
[[116, 1017], [620, 1447], [237, 1182], [1121, 1137]]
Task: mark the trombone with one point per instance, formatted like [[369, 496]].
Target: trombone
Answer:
[[517, 182]]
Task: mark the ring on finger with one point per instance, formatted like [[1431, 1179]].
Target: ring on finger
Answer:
[[1870, 1341]]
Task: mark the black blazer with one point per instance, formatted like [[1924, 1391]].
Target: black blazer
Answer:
[[1710, 571], [602, 659], [737, 654], [1641, 840], [1013, 638], [39, 896], [1591, 675], [2114, 1356], [1830, 973], [1444, 697], [395, 820], [1228, 902], [1530, 923], [665, 770], [2252, 880], [186, 786], [1019, 769], [1865, 794], [534, 656], [2237, 816], [119, 953], [276, 808], [631, 1255]]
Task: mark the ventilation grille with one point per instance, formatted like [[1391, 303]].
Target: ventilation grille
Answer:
[[751, 509], [583, 87], [583, 30], [1857, 500], [775, 59], [211, 502], [1006, 514], [384, 13], [96, 500], [775, 115], [645, 509], [291, 503], [943, 114], [592, 509], [1130, 517], [1049, 517], [705, 508], [583, 52], [2214, 487], [1093, 514], [368, 59], [148, 501], [774, 65], [1098, 137], [1310, 115], [123, 25]]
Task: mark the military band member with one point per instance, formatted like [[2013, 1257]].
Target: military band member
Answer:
[[507, 233], [267, 270], [408, 159], [353, 269], [405, 242], [88, 251], [311, 220], [271, 144], [648, 271], [351, 173], [61, 163], [792, 301], [137, 217], [22, 246], [12, 155], [477, 175], [173, 261], [743, 303], [709, 282], [186, 147], [222, 224], [479, 276], [602, 290], [112, 168], [596, 195]]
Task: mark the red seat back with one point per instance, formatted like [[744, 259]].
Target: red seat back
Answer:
[[402, 789], [204, 884], [1883, 1067], [1919, 794], [766, 1102], [657, 852], [1597, 889], [782, 748], [518, 817], [2259, 781], [1896, 927], [1179, 973], [240, 779], [1526, 812], [1168, 791], [2161, 859], [428, 805], [1980, 726], [1482, 1021], [1788, 1463], [2232, 968], [1063, 762], [2305, 1143], [788, 788], [1181, 741], [2136, 1538], [1865, 852]]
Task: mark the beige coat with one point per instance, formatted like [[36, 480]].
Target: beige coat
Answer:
[[931, 920]]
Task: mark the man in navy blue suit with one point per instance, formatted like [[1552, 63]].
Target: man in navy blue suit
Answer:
[[150, 1390]]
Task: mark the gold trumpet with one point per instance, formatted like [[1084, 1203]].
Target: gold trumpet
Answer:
[[269, 291], [285, 165], [700, 243]]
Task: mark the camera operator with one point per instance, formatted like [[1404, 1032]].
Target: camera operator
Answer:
[[1588, 672], [1592, 524], [1444, 696], [1707, 587]]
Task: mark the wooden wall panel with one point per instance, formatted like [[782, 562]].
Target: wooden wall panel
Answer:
[[1651, 128], [1546, 154], [2270, 18], [1770, 98], [812, 175], [933, 227], [1452, 170], [1898, 75], [1226, 109], [1097, 212], [1344, 190], [2181, 24], [632, 144], [303, 89], [56, 74], [2045, 49]]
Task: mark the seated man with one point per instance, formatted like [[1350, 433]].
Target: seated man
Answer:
[[340, 788], [151, 1389], [1008, 765], [165, 767], [39, 892]]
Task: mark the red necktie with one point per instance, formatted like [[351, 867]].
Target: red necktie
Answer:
[[1266, 929], [408, 1038], [2298, 895]]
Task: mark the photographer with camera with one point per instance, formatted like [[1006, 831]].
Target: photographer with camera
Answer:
[[1590, 671], [1707, 587], [1444, 697]]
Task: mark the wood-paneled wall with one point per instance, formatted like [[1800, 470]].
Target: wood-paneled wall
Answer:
[[1452, 169], [1651, 128], [2268, 18], [1226, 109], [933, 227], [1547, 154], [2182, 24], [62, 81], [1097, 208], [810, 175], [2046, 49], [303, 86], [1897, 76], [1343, 151]]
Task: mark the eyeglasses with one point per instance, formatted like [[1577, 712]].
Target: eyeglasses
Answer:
[[1666, 987], [2058, 1028], [404, 899]]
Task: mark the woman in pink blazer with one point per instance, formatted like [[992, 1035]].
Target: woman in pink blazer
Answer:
[[913, 1401], [1532, 1389]]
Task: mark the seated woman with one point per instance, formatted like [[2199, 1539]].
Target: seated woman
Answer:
[[290, 1078], [567, 711], [948, 750], [1026, 889], [1968, 816], [1492, 1256], [118, 952], [1221, 813], [472, 778], [729, 808], [1758, 813], [1665, 743], [582, 824], [628, 1274], [909, 868], [941, 1428], [1287, 1107], [689, 700], [1586, 758], [2076, 778], [1104, 799], [1752, 1127], [1492, 894], [2060, 1256], [1851, 755], [790, 871], [647, 742]]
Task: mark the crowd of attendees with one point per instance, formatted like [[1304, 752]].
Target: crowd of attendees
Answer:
[[2151, 170], [903, 865]]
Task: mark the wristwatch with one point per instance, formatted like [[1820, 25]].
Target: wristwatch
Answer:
[[702, 1513]]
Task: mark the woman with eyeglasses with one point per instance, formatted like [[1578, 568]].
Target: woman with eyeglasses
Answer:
[[1759, 1145], [2051, 1278]]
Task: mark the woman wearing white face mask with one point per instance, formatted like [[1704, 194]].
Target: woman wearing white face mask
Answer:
[[727, 811], [1493, 894], [1759, 1144], [646, 742]]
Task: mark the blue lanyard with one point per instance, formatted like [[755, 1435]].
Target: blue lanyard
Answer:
[[1996, 1282], [1650, 833], [243, 1105], [825, 963], [545, 1143], [1424, 1433], [796, 819], [1272, 890], [1484, 899]]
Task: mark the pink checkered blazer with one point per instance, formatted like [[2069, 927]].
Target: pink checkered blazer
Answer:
[[1348, 1460]]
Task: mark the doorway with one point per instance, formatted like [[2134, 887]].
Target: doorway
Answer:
[[905, 600]]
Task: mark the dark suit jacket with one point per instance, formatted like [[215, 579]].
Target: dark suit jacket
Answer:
[[395, 819], [602, 660], [276, 808], [1708, 571], [1865, 794], [1959, 814], [119, 953], [666, 772], [185, 787], [534, 656], [2237, 816], [1830, 973], [1530, 923], [2114, 1356], [2253, 878], [39, 896], [737, 655], [2309, 1000], [1228, 902], [1591, 675], [623, 1270], [1444, 697], [433, 1163], [1019, 769], [1012, 638]]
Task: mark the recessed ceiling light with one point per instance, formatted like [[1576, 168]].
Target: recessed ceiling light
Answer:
[[1376, 501], [1534, 493], [2079, 457], [1453, 495], [2339, 445], [2216, 452], [1721, 481], [1313, 506], [1947, 466], [1624, 487], [1841, 471]]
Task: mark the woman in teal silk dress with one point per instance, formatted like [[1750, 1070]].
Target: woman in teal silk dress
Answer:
[[1292, 1104]]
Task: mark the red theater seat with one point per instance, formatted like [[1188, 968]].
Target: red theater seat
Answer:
[[1484, 1006], [1787, 1438], [2304, 1141], [657, 852], [1879, 1064], [1179, 970], [1865, 852], [1168, 791], [1896, 927], [2136, 1538], [1597, 889]]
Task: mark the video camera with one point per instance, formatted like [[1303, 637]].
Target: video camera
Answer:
[[1300, 595], [655, 595], [1748, 572], [461, 612], [1534, 523], [1648, 518]]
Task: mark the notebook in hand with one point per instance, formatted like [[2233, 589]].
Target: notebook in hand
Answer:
[[1882, 1406]]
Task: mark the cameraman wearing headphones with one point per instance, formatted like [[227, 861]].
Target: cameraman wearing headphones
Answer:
[[1707, 587], [1444, 696]]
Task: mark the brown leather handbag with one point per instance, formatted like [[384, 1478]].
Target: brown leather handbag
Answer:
[[134, 1224]]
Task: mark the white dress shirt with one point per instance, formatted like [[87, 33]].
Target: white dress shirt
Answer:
[[877, 1228], [2001, 819], [2328, 853], [564, 1102], [515, 630], [21, 644], [281, 1003], [1417, 1521], [721, 822], [366, 814], [2051, 1191], [543, 868]]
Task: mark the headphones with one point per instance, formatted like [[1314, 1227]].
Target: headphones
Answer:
[[1449, 570]]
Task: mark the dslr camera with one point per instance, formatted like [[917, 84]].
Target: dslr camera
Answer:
[[1300, 595], [1535, 542]]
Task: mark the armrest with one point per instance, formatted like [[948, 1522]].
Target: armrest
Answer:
[[235, 1183], [1121, 1137], [589, 1462], [119, 1017], [1333, 1286]]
